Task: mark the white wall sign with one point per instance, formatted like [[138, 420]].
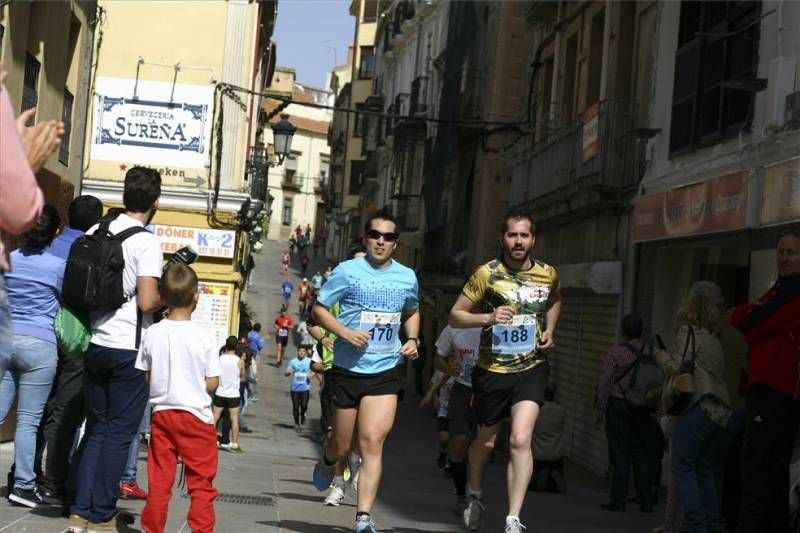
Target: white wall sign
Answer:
[[205, 241], [150, 128], [213, 310]]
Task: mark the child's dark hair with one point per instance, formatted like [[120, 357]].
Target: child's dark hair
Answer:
[[42, 234], [178, 286], [231, 343]]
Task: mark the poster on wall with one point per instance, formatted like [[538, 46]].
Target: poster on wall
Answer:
[[152, 123], [214, 309], [206, 242]]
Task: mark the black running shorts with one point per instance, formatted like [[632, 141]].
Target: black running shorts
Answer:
[[460, 411], [495, 393], [283, 341], [347, 388], [226, 403], [442, 424]]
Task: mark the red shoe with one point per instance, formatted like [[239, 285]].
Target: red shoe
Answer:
[[132, 491]]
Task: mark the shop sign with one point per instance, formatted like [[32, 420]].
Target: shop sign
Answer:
[[164, 124], [205, 241], [213, 311], [781, 197], [591, 124], [715, 205]]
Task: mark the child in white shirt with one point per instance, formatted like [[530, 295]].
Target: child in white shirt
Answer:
[[181, 363]]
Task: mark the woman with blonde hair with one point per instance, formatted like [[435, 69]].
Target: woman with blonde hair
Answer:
[[698, 432]]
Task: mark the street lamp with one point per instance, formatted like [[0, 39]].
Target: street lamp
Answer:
[[282, 133]]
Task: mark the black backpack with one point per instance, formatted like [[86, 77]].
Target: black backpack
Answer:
[[93, 274], [647, 381]]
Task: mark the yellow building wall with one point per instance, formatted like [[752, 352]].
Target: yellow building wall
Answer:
[[150, 30]]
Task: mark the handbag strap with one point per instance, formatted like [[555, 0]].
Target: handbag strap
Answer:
[[689, 338]]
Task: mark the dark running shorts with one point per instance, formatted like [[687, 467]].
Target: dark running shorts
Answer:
[[460, 411], [495, 393], [347, 388], [326, 404], [283, 341], [226, 403], [442, 424]]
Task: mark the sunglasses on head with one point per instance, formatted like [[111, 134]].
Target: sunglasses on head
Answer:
[[388, 237]]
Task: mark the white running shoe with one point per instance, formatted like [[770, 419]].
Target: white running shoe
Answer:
[[514, 526], [473, 514], [335, 497]]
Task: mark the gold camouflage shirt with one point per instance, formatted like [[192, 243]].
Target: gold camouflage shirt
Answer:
[[531, 291]]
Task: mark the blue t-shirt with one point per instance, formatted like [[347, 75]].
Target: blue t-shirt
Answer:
[[34, 292], [287, 289], [316, 281], [302, 373], [255, 342], [373, 300], [61, 245]]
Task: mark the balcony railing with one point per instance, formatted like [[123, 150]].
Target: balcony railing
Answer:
[[419, 96], [257, 172], [292, 181], [596, 150], [401, 108]]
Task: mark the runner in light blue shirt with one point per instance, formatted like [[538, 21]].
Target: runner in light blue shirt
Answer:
[[376, 295]]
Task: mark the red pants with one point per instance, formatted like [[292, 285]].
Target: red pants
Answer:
[[173, 433]]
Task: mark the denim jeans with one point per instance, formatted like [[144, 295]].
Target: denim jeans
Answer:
[[116, 394], [31, 371], [696, 444], [5, 327], [132, 466], [627, 436]]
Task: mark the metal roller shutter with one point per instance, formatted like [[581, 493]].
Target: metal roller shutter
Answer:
[[586, 329]]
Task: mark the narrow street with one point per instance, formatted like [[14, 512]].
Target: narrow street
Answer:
[[268, 488]]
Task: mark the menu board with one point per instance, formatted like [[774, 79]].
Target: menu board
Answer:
[[214, 307]]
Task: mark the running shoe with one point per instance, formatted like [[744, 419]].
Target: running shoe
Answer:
[[514, 526], [364, 525], [27, 497], [323, 474], [336, 496], [235, 448], [441, 461], [132, 491], [473, 514], [354, 467]]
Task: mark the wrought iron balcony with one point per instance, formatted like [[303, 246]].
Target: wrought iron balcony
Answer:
[[257, 166], [598, 150]]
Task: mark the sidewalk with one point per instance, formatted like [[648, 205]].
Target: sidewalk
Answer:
[[268, 488]]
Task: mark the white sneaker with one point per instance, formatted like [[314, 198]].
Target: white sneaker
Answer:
[[514, 526], [335, 497], [473, 514]]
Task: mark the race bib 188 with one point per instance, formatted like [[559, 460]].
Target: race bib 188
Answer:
[[518, 336], [383, 329]]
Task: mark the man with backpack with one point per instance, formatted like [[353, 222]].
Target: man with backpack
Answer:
[[114, 272], [626, 422]]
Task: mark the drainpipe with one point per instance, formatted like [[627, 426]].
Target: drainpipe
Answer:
[[86, 87], [606, 47]]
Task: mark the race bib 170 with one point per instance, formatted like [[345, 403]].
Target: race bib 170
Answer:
[[518, 336], [383, 330]]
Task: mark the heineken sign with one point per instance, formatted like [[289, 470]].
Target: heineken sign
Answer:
[[152, 122]]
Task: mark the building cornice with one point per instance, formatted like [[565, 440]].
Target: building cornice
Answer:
[[184, 198]]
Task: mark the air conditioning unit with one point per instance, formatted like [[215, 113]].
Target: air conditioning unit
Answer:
[[792, 108]]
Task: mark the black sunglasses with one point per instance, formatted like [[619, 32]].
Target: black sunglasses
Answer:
[[388, 237]]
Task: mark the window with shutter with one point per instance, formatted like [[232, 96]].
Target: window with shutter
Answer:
[[66, 118], [30, 83], [717, 44]]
